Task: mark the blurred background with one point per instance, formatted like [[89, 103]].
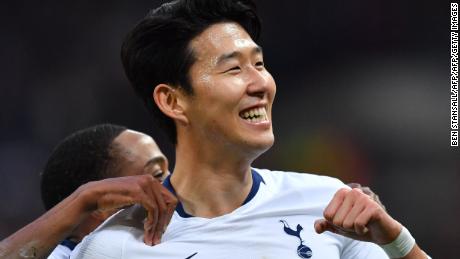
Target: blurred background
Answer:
[[363, 95]]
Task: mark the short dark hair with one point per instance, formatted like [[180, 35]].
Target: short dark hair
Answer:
[[157, 50], [82, 157]]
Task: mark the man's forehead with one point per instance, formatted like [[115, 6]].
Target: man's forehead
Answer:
[[221, 38], [133, 144]]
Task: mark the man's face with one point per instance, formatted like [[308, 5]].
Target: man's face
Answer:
[[137, 153], [233, 92]]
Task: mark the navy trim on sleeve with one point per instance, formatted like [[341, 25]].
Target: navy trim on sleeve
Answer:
[[69, 244]]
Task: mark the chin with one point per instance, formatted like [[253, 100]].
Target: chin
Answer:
[[260, 146]]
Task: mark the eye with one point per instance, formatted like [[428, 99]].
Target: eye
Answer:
[[158, 174], [233, 69], [260, 64]]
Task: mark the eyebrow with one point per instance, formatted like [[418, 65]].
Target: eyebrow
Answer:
[[155, 160], [225, 57]]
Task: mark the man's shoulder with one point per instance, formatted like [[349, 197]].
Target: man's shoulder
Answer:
[[292, 188], [108, 240], [300, 179]]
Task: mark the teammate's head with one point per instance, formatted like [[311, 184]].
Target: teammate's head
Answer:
[[96, 153], [158, 50]]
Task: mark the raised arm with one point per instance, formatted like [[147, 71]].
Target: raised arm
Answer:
[[37, 239], [353, 214]]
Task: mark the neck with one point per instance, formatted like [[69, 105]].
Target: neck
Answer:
[[210, 182]]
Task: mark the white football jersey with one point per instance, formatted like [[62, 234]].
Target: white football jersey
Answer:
[[275, 222], [63, 250]]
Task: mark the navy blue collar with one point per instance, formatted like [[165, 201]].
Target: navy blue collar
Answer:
[[69, 244], [256, 180]]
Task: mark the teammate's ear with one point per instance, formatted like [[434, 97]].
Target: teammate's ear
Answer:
[[171, 102]]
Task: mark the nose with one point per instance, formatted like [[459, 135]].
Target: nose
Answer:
[[258, 83]]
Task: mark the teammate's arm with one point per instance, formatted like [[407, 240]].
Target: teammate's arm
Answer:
[[37, 239], [353, 214]]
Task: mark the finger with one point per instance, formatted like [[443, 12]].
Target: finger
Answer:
[[114, 201], [148, 201], [349, 221], [162, 211], [354, 185], [363, 219], [335, 204], [346, 207], [322, 225], [368, 191], [170, 213], [171, 203], [149, 223], [374, 196], [377, 199], [154, 215], [148, 238]]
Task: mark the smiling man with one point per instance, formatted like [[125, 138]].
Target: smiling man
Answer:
[[198, 68]]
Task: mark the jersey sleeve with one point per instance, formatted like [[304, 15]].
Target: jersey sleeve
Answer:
[[354, 249], [60, 252]]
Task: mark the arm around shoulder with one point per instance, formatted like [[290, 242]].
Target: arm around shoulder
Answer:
[[40, 237]]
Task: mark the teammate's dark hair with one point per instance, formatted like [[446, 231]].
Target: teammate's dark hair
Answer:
[[84, 156], [157, 49]]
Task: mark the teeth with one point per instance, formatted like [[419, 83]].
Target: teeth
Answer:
[[255, 115]]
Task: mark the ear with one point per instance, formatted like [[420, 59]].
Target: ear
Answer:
[[171, 102]]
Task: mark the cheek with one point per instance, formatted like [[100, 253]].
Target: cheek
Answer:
[[221, 93], [232, 89]]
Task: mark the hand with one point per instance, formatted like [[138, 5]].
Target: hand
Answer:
[[353, 214], [369, 192], [115, 193]]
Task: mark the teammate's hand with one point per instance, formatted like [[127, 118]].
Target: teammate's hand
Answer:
[[115, 193], [354, 214], [367, 191]]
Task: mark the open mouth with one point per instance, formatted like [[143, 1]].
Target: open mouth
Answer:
[[257, 114]]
